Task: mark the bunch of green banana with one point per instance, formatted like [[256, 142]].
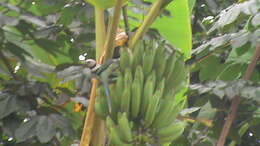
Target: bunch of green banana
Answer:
[[144, 93]]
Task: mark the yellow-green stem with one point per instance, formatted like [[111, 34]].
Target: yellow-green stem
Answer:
[[90, 117], [100, 31], [109, 44], [152, 14]]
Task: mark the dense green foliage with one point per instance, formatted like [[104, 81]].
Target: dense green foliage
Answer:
[[43, 72]]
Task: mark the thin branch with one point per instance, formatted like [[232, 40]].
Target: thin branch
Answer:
[[126, 23], [8, 65], [253, 63], [236, 100]]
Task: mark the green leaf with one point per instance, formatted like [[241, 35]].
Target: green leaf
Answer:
[[177, 29], [192, 4], [68, 14], [189, 110], [85, 37], [251, 92], [46, 32], [46, 7], [256, 20], [62, 123], [45, 129], [17, 50], [231, 72], [242, 54], [207, 111], [37, 68], [210, 68], [26, 130], [228, 17], [3, 69], [240, 39], [6, 20], [10, 124], [8, 104], [50, 46]]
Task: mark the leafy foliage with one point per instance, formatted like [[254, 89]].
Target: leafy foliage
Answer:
[[19, 102], [229, 89], [230, 39]]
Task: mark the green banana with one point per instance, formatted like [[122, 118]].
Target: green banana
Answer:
[[160, 87], [148, 91], [137, 56], [119, 87], [125, 60], [140, 76], [148, 61], [160, 69], [119, 83], [160, 62], [179, 65], [125, 128], [116, 102], [136, 93], [160, 52], [171, 129], [171, 132], [166, 107], [137, 88], [177, 70], [169, 119], [126, 92], [126, 96], [101, 107], [152, 109], [180, 80], [114, 135], [171, 60], [128, 78], [125, 101]]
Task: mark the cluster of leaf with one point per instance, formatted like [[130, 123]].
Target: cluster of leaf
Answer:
[[224, 49], [27, 112], [52, 31], [37, 39], [225, 57], [230, 89]]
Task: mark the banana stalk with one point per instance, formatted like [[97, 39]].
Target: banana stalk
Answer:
[[102, 54]]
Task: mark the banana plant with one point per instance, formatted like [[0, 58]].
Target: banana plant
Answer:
[[142, 106]]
